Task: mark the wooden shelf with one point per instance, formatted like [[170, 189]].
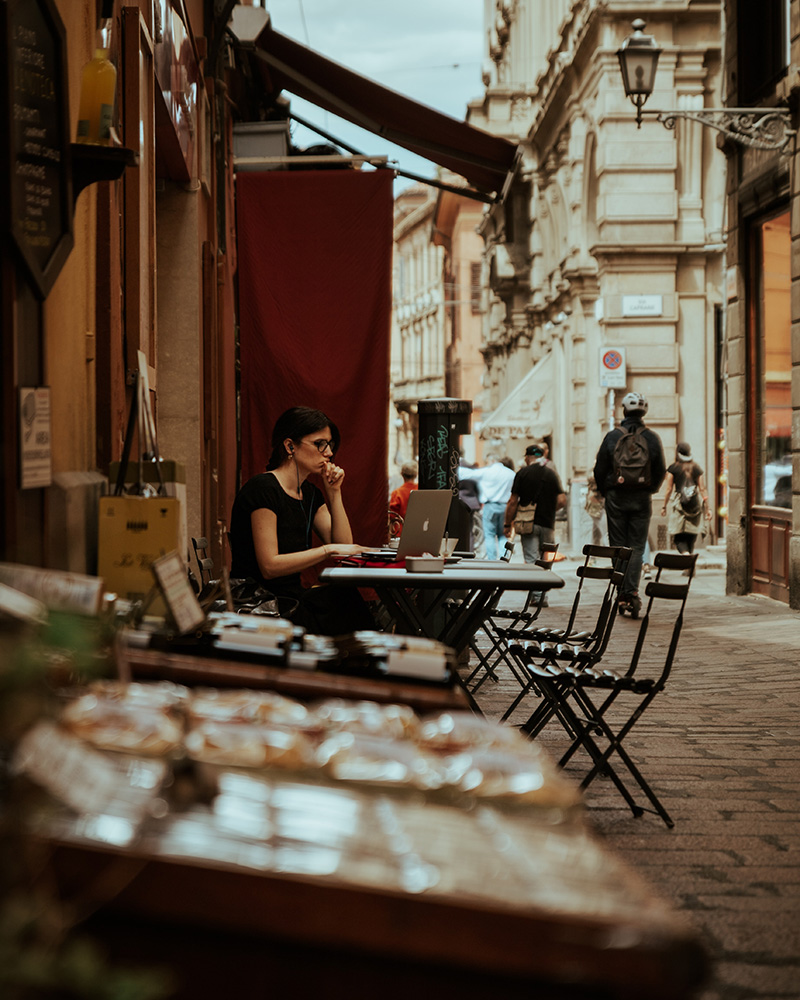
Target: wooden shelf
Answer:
[[91, 163]]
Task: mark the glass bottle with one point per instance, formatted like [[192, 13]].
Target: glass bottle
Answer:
[[98, 91]]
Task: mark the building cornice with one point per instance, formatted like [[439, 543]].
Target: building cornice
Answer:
[[653, 249]]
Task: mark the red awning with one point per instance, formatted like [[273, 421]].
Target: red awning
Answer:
[[484, 160]]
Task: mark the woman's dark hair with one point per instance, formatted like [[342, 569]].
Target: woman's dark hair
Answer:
[[295, 423]]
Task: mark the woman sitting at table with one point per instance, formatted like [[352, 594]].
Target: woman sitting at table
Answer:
[[273, 516]]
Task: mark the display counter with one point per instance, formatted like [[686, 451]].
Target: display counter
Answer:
[[187, 668], [594, 930], [263, 845]]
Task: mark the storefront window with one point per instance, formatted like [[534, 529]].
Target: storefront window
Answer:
[[775, 366]]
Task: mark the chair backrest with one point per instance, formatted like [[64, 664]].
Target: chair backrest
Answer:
[[547, 555], [661, 590], [205, 564], [613, 572]]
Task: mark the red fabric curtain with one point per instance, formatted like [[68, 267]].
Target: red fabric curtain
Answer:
[[315, 259]]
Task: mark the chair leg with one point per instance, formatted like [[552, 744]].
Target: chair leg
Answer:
[[510, 710], [580, 731], [484, 665], [544, 712], [615, 746], [497, 653]]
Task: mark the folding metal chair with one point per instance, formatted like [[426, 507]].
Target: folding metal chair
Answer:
[[533, 604], [545, 650], [581, 699], [494, 625], [617, 558], [484, 665]]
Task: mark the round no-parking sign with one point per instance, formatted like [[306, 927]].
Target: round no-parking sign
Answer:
[[612, 368]]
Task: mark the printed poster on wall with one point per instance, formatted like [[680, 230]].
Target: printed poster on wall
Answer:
[[35, 452]]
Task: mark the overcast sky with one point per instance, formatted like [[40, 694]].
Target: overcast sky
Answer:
[[429, 50]]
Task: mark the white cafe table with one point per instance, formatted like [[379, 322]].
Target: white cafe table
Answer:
[[481, 583]]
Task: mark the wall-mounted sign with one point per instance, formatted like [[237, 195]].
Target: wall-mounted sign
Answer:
[[642, 305], [34, 121], [613, 374], [35, 454]]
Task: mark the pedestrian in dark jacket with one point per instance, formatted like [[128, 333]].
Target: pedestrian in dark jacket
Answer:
[[629, 506]]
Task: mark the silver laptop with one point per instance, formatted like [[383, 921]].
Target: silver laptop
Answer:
[[423, 525]]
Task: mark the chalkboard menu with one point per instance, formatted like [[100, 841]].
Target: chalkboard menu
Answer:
[[35, 124]]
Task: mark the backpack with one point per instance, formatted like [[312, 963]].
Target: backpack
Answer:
[[689, 498], [631, 461]]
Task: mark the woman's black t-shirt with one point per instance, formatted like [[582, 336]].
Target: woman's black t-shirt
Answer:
[[295, 524], [680, 474]]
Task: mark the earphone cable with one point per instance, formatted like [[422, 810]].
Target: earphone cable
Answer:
[[302, 505]]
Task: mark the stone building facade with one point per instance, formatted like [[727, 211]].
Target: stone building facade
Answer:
[[455, 228], [611, 238], [438, 303], [417, 359]]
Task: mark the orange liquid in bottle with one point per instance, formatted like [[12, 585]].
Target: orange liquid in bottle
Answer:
[[98, 91]]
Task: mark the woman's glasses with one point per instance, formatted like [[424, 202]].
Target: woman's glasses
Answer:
[[322, 445]]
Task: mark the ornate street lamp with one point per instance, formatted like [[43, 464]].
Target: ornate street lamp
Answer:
[[761, 128], [638, 59]]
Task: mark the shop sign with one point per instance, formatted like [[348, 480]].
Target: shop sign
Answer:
[[642, 305], [37, 188], [510, 430], [613, 374]]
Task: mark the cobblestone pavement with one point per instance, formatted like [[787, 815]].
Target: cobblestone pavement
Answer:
[[720, 746]]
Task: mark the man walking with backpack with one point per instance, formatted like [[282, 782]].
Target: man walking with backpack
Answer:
[[629, 468]]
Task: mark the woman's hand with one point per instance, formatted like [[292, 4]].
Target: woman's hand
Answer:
[[343, 549], [332, 478]]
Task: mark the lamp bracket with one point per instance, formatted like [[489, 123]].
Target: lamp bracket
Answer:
[[760, 128]]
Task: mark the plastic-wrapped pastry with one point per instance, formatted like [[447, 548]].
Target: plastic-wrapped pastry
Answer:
[[452, 732], [163, 696], [216, 705], [529, 778], [122, 724], [388, 721], [240, 744], [350, 756]]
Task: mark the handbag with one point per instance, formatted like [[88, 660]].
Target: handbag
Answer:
[[595, 501], [523, 519]]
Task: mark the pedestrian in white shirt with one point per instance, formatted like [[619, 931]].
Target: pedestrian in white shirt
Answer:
[[494, 488]]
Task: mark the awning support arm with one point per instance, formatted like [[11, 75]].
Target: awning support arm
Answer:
[[465, 191], [356, 116]]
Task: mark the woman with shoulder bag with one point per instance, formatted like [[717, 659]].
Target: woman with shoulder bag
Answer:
[[687, 500]]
